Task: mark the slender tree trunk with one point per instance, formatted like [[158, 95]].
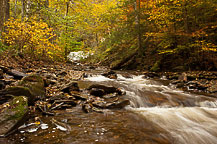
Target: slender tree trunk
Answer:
[[15, 9], [66, 42], [139, 29], [4, 12], [23, 9], [138, 25], [186, 17], [7, 10], [1, 14]]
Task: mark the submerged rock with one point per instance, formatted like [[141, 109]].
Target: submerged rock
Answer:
[[151, 75], [111, 74], [12, 115]]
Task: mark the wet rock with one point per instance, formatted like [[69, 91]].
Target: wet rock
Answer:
[[16, 74], [2, 84], [115, 103], [118, 105], [62, 73], [36, 85], [80, 96], [180, 85], [100, 104], [74, 75], [8, 77], [5, 69], [50, 76], [12, 115], [191, 77], [213, 87], [111, 74], [196, 85], [97, 92], [19, 91], [176, 81], [107, 89], [63, 104], [48, 82], [127, 75], [1, 73], [57, 96], [43, 107], [70, 87], [112, 95], [151, 75], [61, 125], [87, 107], [183, 77]]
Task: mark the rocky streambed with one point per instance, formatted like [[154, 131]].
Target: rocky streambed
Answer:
[[56, 104]]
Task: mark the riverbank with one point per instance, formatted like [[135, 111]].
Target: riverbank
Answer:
[[75, 94], [192, 81]]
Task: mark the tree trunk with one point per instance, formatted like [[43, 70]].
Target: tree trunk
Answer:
[[138, 26], [7, 10], [4, 12], [1, 14], [186, 17], [139, 29], [23, 9], [66, 42], [15, 9]]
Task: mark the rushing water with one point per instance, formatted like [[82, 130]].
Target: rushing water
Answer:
[[158, 114], [187, 118]]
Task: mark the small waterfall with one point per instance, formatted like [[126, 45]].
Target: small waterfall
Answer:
[[186, 125], [188, 118]]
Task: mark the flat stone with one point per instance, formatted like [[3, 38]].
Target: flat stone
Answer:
[[107, 89], [16, 74], [118, 105], [12, 115]]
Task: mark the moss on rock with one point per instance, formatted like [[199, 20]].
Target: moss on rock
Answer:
[[35, 83], [13, 114]]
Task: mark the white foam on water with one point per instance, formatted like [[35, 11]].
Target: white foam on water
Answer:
[[186, 125], [98, 78]]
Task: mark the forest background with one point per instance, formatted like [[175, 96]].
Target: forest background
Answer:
[[156, 35]]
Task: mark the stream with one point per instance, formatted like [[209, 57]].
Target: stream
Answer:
[[158, 113]]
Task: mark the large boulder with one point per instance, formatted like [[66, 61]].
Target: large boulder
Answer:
[[12, 115], [35, 83], [17, 91]]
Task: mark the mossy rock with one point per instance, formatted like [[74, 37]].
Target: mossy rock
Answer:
[[155, 67], [12, 115], [36, 85], [19, 91]]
